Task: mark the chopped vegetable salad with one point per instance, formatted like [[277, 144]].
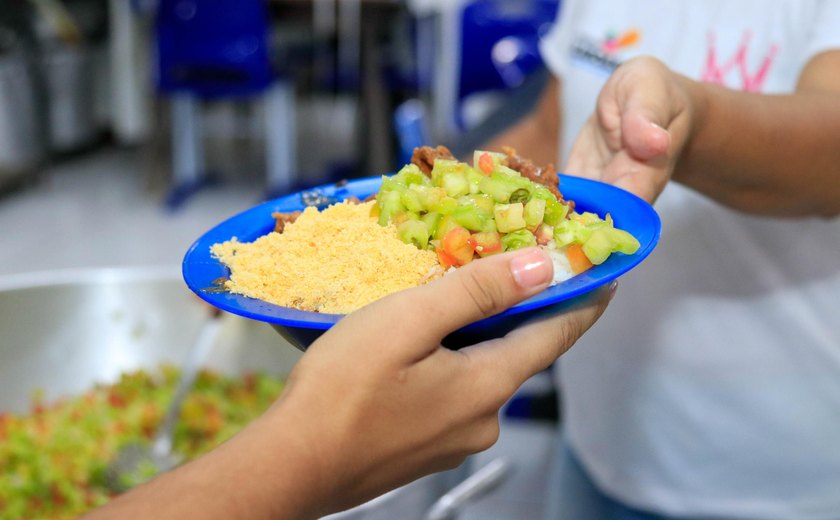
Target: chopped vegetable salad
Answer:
[[54, 459], [464, 212]]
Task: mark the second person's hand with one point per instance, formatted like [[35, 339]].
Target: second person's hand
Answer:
[[641, 124]]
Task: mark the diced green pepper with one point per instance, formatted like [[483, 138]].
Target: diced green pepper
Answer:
[[432, 220], [598, 247], [414, 232], [518, 240], [470, 217], [571, 232], [520, 195], [516, 180], [510, 172], [445, 206], [490, 226], [474, 178], [481, 201], [411, 175], [444, 166], [622, 241], [555, 211], [446, 223], [410, 198], [509, 217], [390, 184], [427, 196], [534, 212], [500, 191], [390, 204], [455, 184]]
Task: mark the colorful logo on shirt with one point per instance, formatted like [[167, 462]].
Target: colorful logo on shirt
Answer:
[[603, 54], [613, 43], [735, 69]]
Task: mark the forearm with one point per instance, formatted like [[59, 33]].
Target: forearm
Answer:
[[765, 154], [261, 473]]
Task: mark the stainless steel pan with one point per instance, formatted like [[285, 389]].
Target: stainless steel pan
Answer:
[[64, 331]]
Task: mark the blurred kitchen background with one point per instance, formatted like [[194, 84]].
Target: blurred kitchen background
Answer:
[[130, 127]]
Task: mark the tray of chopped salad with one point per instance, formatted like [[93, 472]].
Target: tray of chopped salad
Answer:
[[303, 261]]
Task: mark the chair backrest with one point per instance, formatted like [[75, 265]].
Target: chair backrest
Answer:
[[500, 43], [213, 48], [411, 129]]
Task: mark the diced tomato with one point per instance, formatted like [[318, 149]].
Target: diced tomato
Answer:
[[485, 164], [58, 498], [455, 243], [578, 260], [214, 420], [486, 243], [446, 260], [116, 400], [120, 427], [250, 382]]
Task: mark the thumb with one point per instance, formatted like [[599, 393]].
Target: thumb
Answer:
[[478, 290], [486, 287], [645, 137]]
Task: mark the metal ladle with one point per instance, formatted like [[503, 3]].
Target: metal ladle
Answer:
[[132, 464]]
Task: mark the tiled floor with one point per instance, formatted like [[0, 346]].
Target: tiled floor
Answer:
[[95, 211]]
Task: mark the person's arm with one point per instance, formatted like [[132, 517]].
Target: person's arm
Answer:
[[537, 135], [764, 154], [377, 402]]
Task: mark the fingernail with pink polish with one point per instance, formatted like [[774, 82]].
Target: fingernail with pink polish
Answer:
[[532, 268]]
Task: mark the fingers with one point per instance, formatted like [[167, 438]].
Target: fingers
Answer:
[[638, 128], [643, 179], [643, 86], [419, 318], [527, 350], [586, 158]]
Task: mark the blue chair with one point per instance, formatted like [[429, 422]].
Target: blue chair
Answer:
[[496, 48], [218, 49], [499, 46], [411, 129]]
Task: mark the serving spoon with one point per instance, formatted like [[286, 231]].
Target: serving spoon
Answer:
[[136, 462]]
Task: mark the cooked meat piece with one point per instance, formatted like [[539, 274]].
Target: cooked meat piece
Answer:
[[546, 175], [283, 219], [424, 157]]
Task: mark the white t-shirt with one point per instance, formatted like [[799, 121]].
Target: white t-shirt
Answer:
[[711, 387]]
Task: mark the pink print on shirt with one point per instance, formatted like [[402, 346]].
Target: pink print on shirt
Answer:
[[750, 82]]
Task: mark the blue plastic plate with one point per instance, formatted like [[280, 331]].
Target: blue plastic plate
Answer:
[[200, 269]]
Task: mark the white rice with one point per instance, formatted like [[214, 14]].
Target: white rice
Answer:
[[562, 268]]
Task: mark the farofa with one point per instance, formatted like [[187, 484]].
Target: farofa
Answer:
[[334, 261]]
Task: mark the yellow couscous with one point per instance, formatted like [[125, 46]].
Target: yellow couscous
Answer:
[[333, 261]]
